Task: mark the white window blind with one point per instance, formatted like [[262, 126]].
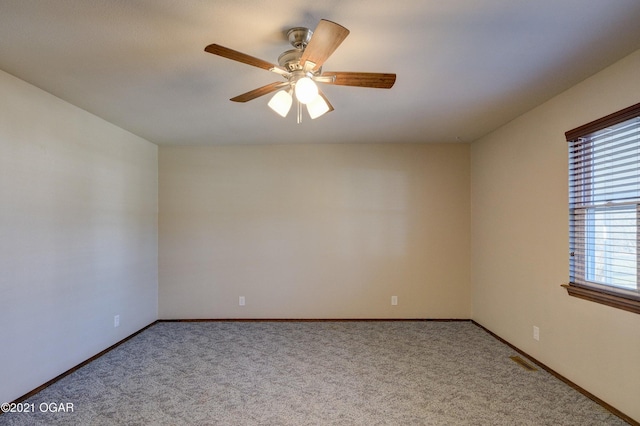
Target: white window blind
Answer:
[[604, 204]]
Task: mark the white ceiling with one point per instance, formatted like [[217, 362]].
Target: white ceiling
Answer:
[[464, 67]]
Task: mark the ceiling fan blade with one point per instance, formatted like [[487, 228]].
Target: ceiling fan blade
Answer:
[[325, 40], [361, 79], [234, 55], [260, 91]]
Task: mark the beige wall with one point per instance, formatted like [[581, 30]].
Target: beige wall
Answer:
[[520, 243], [78, 235], [314, 231]]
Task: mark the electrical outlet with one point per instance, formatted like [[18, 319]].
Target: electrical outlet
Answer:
[[241, 301], [116, 321], [394, 300], [536, 333]]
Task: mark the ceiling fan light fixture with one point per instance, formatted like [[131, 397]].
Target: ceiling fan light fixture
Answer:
[[306, 90], [317, 107], [281, 103], [301, 67]]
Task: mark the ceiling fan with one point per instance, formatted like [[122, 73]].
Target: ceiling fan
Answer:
[[301, 69]]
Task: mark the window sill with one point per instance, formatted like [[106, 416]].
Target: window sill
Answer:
[[609, 299]]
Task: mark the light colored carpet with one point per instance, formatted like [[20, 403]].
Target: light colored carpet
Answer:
[[313, 373]]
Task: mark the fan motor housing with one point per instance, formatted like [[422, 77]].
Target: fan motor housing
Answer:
[[299, 37], [290, 60]]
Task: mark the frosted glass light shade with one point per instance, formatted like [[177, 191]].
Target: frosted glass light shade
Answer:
[[281, 103], [317, 107], [306, 90]]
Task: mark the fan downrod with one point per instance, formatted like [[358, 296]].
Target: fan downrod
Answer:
[[299, 37]]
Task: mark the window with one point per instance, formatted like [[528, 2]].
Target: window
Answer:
[[604, 210]]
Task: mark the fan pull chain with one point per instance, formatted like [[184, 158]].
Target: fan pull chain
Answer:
[[299, 111]]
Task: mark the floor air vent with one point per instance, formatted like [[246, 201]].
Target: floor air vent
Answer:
[[522, 363]]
